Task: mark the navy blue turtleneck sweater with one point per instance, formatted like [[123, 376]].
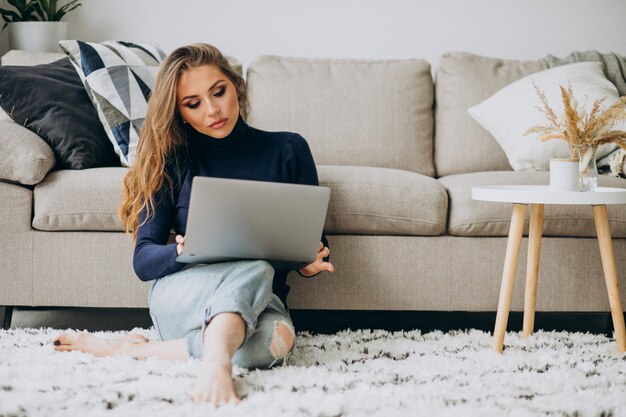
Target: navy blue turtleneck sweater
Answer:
[[248, 154]]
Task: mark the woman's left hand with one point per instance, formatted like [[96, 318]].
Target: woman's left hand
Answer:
[[318, 265]]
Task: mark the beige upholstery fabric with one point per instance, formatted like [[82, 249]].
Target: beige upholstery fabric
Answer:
[[438, 273], [351, 112], [479, 218], [378, 273], [79, 200], [24, 157], [383, 201], [446, 273], [4, 117], [363, 201], [463, 80], [16, 243], [570, 274], [85, 269], [15, 57]]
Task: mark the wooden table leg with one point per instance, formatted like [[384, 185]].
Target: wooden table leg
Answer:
[[603, 230], [532, 267], [508, 274]]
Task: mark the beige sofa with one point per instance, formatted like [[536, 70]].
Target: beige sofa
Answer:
[[400, 154]]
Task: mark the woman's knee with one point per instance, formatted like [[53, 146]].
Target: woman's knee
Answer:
[[282, 341], [269, 345]]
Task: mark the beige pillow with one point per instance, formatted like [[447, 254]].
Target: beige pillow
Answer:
[[24, 157], [375, 113]]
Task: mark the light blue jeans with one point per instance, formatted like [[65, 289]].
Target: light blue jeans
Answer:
[[183, 303]]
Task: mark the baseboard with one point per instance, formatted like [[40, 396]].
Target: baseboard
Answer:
[[331, 321], [326, 321]]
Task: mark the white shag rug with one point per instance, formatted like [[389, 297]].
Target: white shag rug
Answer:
[[351, 373]]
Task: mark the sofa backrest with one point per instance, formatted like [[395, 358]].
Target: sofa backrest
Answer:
[[351, 112], [463, 80], [16, 57]]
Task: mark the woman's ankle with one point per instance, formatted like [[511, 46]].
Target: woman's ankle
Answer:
[[213, 361]]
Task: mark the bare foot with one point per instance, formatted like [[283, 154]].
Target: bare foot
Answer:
[[88, 343], [215, 385]]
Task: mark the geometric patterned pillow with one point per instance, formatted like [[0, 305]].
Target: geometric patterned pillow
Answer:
[[118, 77]]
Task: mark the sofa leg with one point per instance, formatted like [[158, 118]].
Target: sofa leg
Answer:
[[6, 313]]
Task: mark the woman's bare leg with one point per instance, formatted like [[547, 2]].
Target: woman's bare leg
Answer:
[[134, 345], [135, 337], [224, 334]]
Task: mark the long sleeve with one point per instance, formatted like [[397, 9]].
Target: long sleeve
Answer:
[[301, 166], [154, 257], [299, 161]]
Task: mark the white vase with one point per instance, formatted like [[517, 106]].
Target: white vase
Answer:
[[37, 36], [564, 174]]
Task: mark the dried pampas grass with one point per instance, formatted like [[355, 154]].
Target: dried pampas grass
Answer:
[[583, 132]]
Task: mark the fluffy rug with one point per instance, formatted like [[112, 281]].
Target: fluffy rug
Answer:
[[352, 373]]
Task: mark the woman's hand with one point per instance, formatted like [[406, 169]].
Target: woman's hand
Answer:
[[180, 240], [318, 265]]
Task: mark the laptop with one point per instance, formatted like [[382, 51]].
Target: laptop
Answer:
[[240, 219]]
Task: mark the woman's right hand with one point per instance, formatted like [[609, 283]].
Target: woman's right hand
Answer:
[[180, 240]]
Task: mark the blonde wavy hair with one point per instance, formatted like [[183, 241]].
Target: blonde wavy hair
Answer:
[[163, 134]]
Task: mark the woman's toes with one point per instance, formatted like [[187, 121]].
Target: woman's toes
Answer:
[[64, 342], [64, 339], [64, 348]]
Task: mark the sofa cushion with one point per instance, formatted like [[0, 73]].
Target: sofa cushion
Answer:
[[363, 201], [480, 218], [24, 157], [383, 201], [79, 200], [352, 112], [118, 77], [464, 80], [18, 57]]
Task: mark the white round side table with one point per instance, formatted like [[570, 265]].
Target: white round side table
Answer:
[[537, 196]]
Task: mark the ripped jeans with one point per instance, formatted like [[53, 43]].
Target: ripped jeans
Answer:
[[183, 303]]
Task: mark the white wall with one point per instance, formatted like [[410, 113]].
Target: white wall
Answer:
[[520, 29]]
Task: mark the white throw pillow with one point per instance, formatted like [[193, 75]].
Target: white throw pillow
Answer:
[[513, 110]]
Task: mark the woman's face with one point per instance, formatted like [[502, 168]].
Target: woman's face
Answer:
[[207, 100]]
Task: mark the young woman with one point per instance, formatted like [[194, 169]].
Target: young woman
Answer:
[[223, 313]]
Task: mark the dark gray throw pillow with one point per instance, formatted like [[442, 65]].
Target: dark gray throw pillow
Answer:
[[51, 101]]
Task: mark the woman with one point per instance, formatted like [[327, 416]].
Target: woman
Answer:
[[224, 313]]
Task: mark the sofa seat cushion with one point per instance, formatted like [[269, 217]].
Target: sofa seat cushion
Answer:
[[480, 218], [383, 201], [79, 200], [363, 201]]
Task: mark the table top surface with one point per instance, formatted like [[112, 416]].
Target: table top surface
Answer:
[[543, 194]]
